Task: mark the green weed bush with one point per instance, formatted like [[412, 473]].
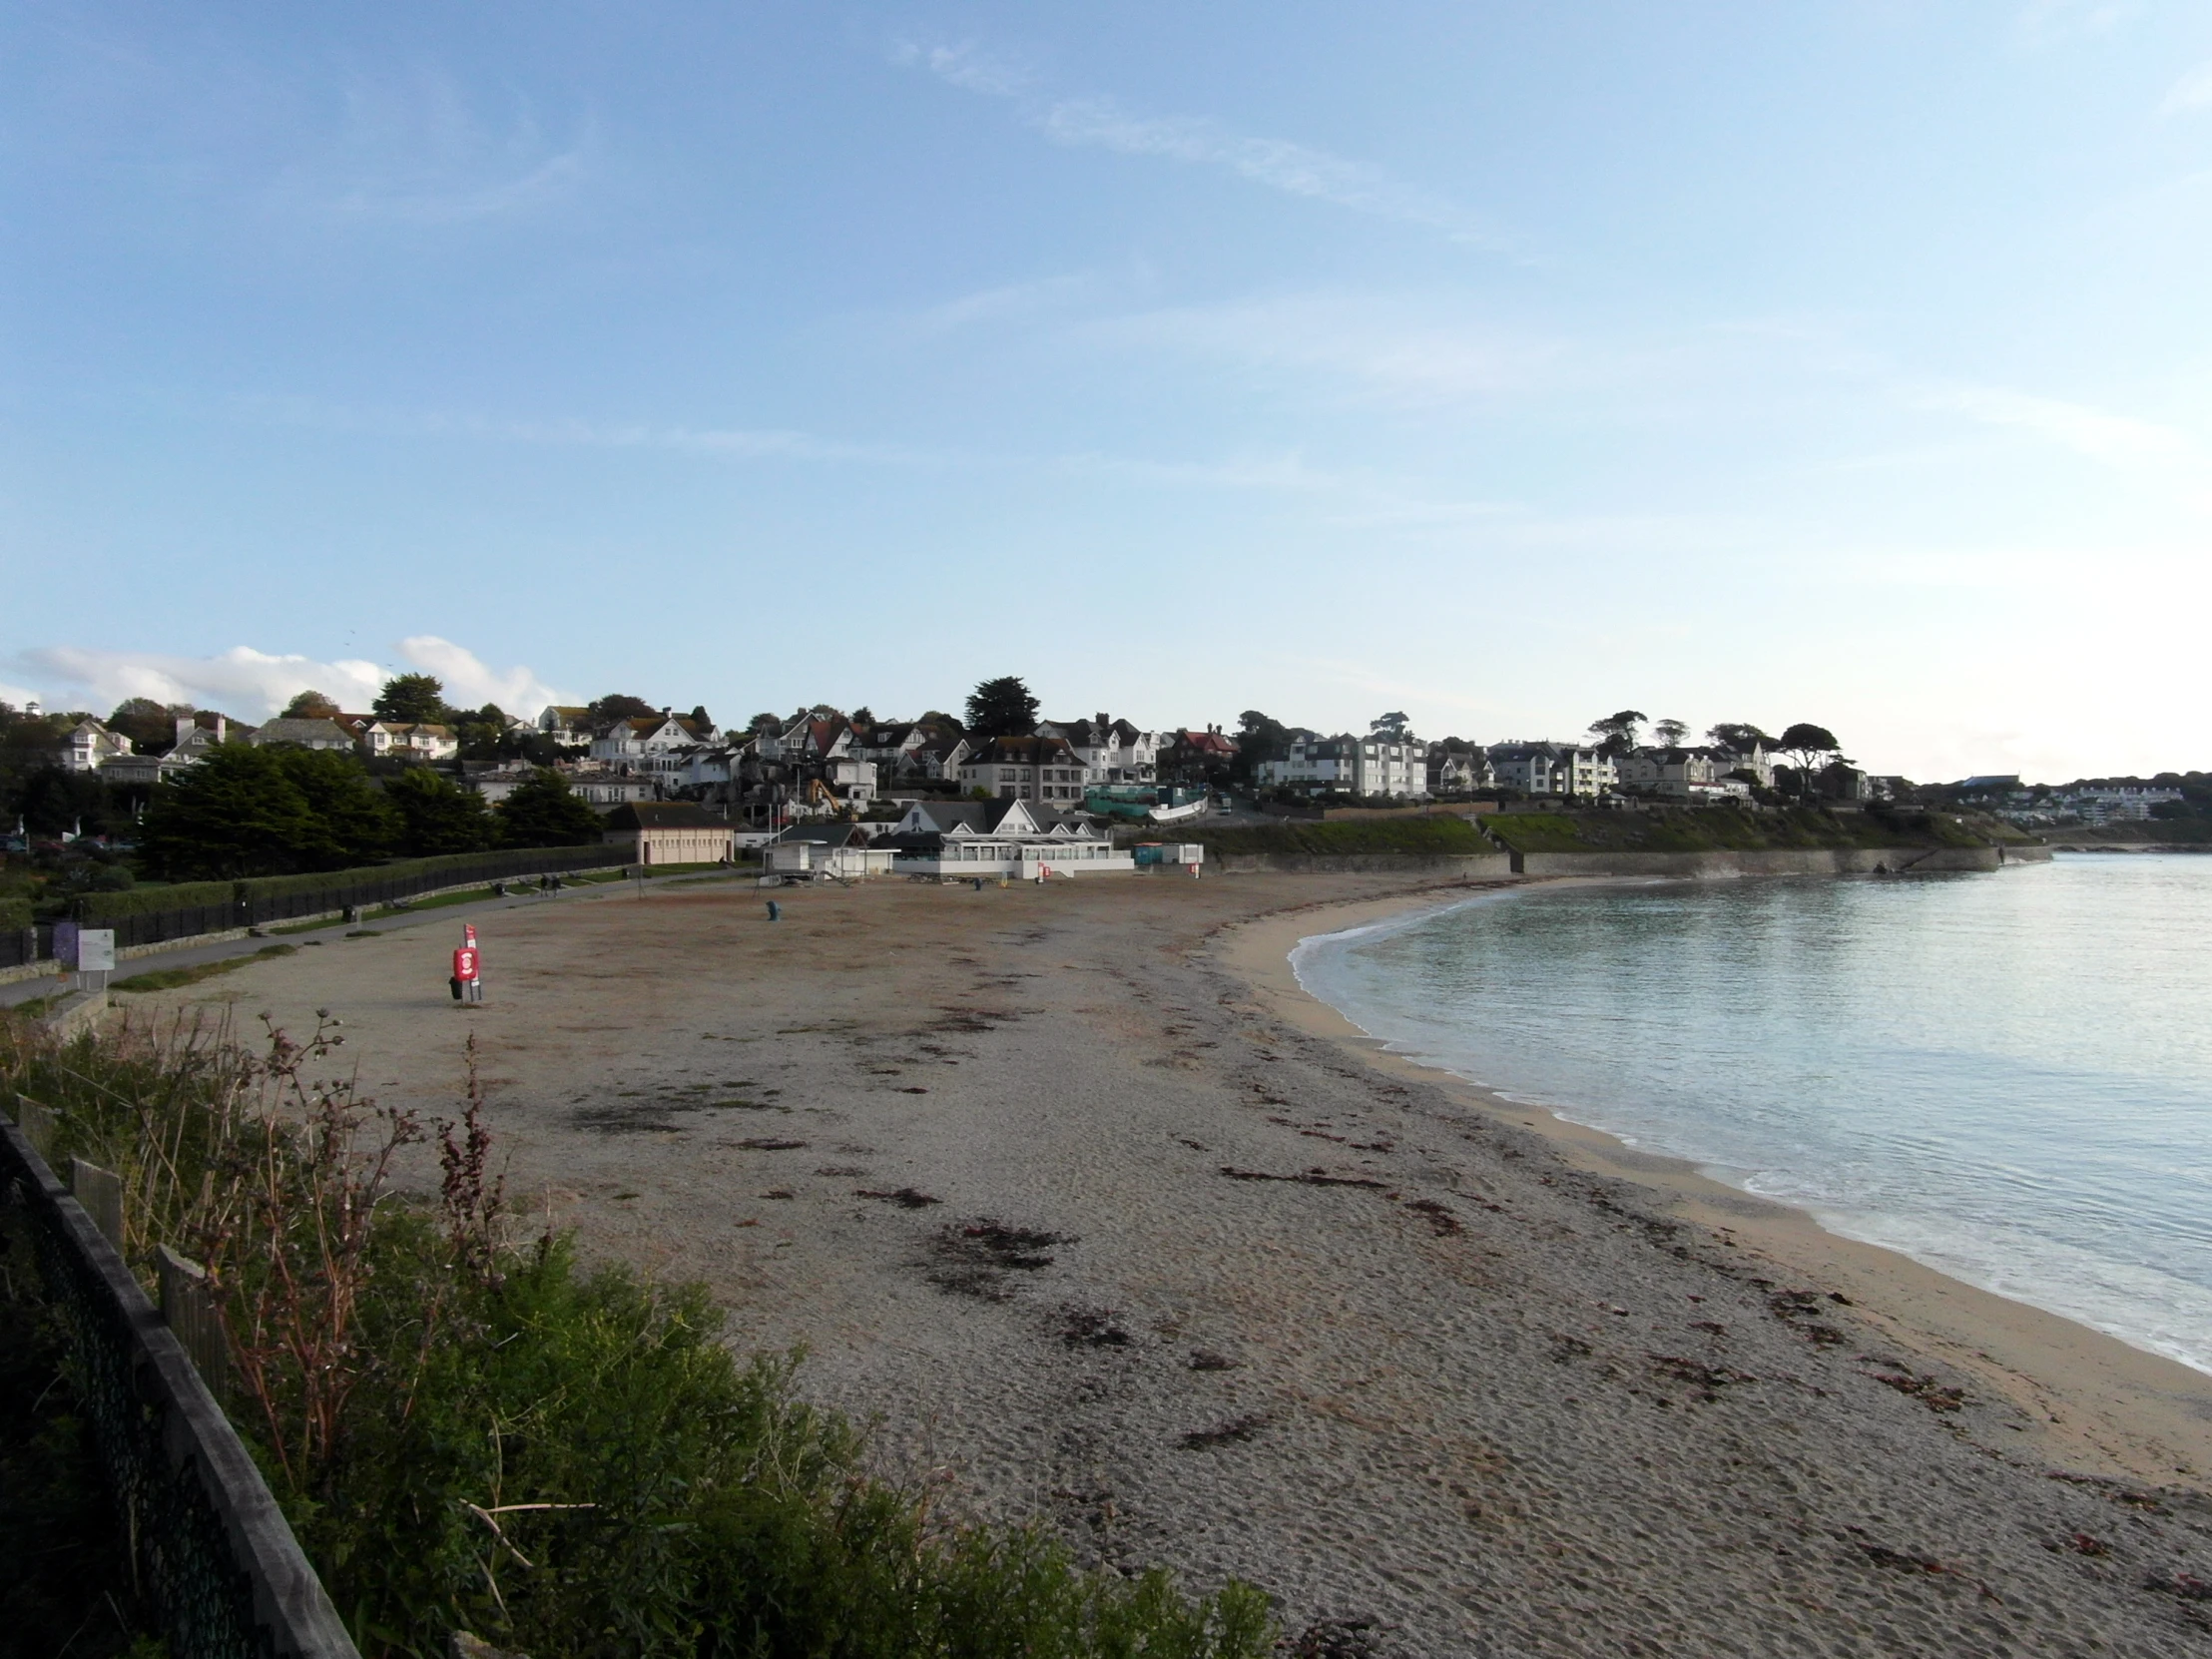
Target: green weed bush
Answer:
[[480, 1434]]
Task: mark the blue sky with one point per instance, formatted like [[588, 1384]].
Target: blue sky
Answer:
[[1505, 364]]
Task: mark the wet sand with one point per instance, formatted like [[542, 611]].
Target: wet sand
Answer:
[[1101, 1220]]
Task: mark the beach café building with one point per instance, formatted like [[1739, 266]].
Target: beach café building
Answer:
[[671, 833], [963, 839]]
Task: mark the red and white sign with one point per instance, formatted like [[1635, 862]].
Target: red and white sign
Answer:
[[469, 964], [468, 934]]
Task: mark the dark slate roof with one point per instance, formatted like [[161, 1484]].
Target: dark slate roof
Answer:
[[827, 835], [304, 730], [664, 814], [1027, 751]]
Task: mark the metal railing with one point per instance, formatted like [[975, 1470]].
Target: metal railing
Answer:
[[252, 906], [212, 1553]]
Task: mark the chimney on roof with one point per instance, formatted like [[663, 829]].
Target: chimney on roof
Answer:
[[185, 725], [1101, 717], [220, 728]]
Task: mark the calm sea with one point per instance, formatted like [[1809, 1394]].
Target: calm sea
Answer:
[[2005, 1076]]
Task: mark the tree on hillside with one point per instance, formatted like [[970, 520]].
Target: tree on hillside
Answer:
[[1260, 739], [937, 719], [1391, 725], [543, 811], [1811, 747], [312, 704], [1617, 733], [236, 812], [863, 716], [620, 706], [1738, 735], [355, 821], [51, 802], [150, 726], [436, 817], [699, 718], [765, 725], [1002, 708], [411, 699], [1668, 734]]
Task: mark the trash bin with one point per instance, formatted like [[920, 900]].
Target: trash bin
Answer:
[[774, 910]]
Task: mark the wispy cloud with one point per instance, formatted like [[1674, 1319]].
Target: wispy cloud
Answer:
[[254, 683], [2192, 92], [1398, 348], [1277, 163], [2096, 433], [418, 151], [1014, 300], [2044, 23]]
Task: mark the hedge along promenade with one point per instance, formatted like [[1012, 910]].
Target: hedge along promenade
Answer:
[[152, 915]]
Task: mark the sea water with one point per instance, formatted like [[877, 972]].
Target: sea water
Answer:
[[2007, 1076]]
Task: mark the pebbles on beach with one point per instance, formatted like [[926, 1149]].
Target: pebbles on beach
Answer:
[[1200, 1286]]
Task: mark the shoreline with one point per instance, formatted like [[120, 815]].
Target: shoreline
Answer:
[[2100, 1401], [1091, 1218]]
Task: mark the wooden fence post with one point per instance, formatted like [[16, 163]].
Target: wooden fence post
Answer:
[[188, 1310], [37, 1124], [100, 1191]]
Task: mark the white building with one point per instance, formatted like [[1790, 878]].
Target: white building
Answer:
[[1378, 765], [92, 746], [1112, 750], [984, 840], [2127, 801], [409, 741], [1683, 773], [840, 851], [1044, 770], [1561, 769]]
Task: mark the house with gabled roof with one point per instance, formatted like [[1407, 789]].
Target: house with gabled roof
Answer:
[[565, 722], [301, 734], [1040, 768], [402, 740], [91, 745], [1010, 838], [1112, 750]]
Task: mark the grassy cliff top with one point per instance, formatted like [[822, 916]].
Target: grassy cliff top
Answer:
[[1671, 829], [1739, 830]]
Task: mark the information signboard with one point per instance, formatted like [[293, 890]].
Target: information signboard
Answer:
[[95, 951]]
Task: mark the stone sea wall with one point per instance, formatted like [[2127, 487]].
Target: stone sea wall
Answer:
[[1855, 861]]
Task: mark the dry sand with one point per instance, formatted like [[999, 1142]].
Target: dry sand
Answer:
[[1101, 1220]]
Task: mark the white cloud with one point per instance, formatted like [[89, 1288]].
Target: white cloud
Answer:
[[2087, 432], [254, 685], [2192, 92], [970, 66], [469, 684], [1277, 163], [414, 151], [17, 696], [2045, 23], [1402, 348]]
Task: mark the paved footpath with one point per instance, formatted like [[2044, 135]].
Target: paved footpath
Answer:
[[188, 954]]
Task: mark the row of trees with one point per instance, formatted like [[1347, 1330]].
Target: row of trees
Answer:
[[276, 811], [1810, 747]]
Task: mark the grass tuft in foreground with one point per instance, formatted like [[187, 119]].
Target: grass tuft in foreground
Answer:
[[470, 1431], [176, 978]]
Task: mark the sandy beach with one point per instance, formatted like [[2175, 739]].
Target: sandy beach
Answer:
[[1101, 1220]]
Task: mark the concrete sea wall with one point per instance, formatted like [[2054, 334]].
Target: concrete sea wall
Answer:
[[1468, 866], [1701, 865]]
